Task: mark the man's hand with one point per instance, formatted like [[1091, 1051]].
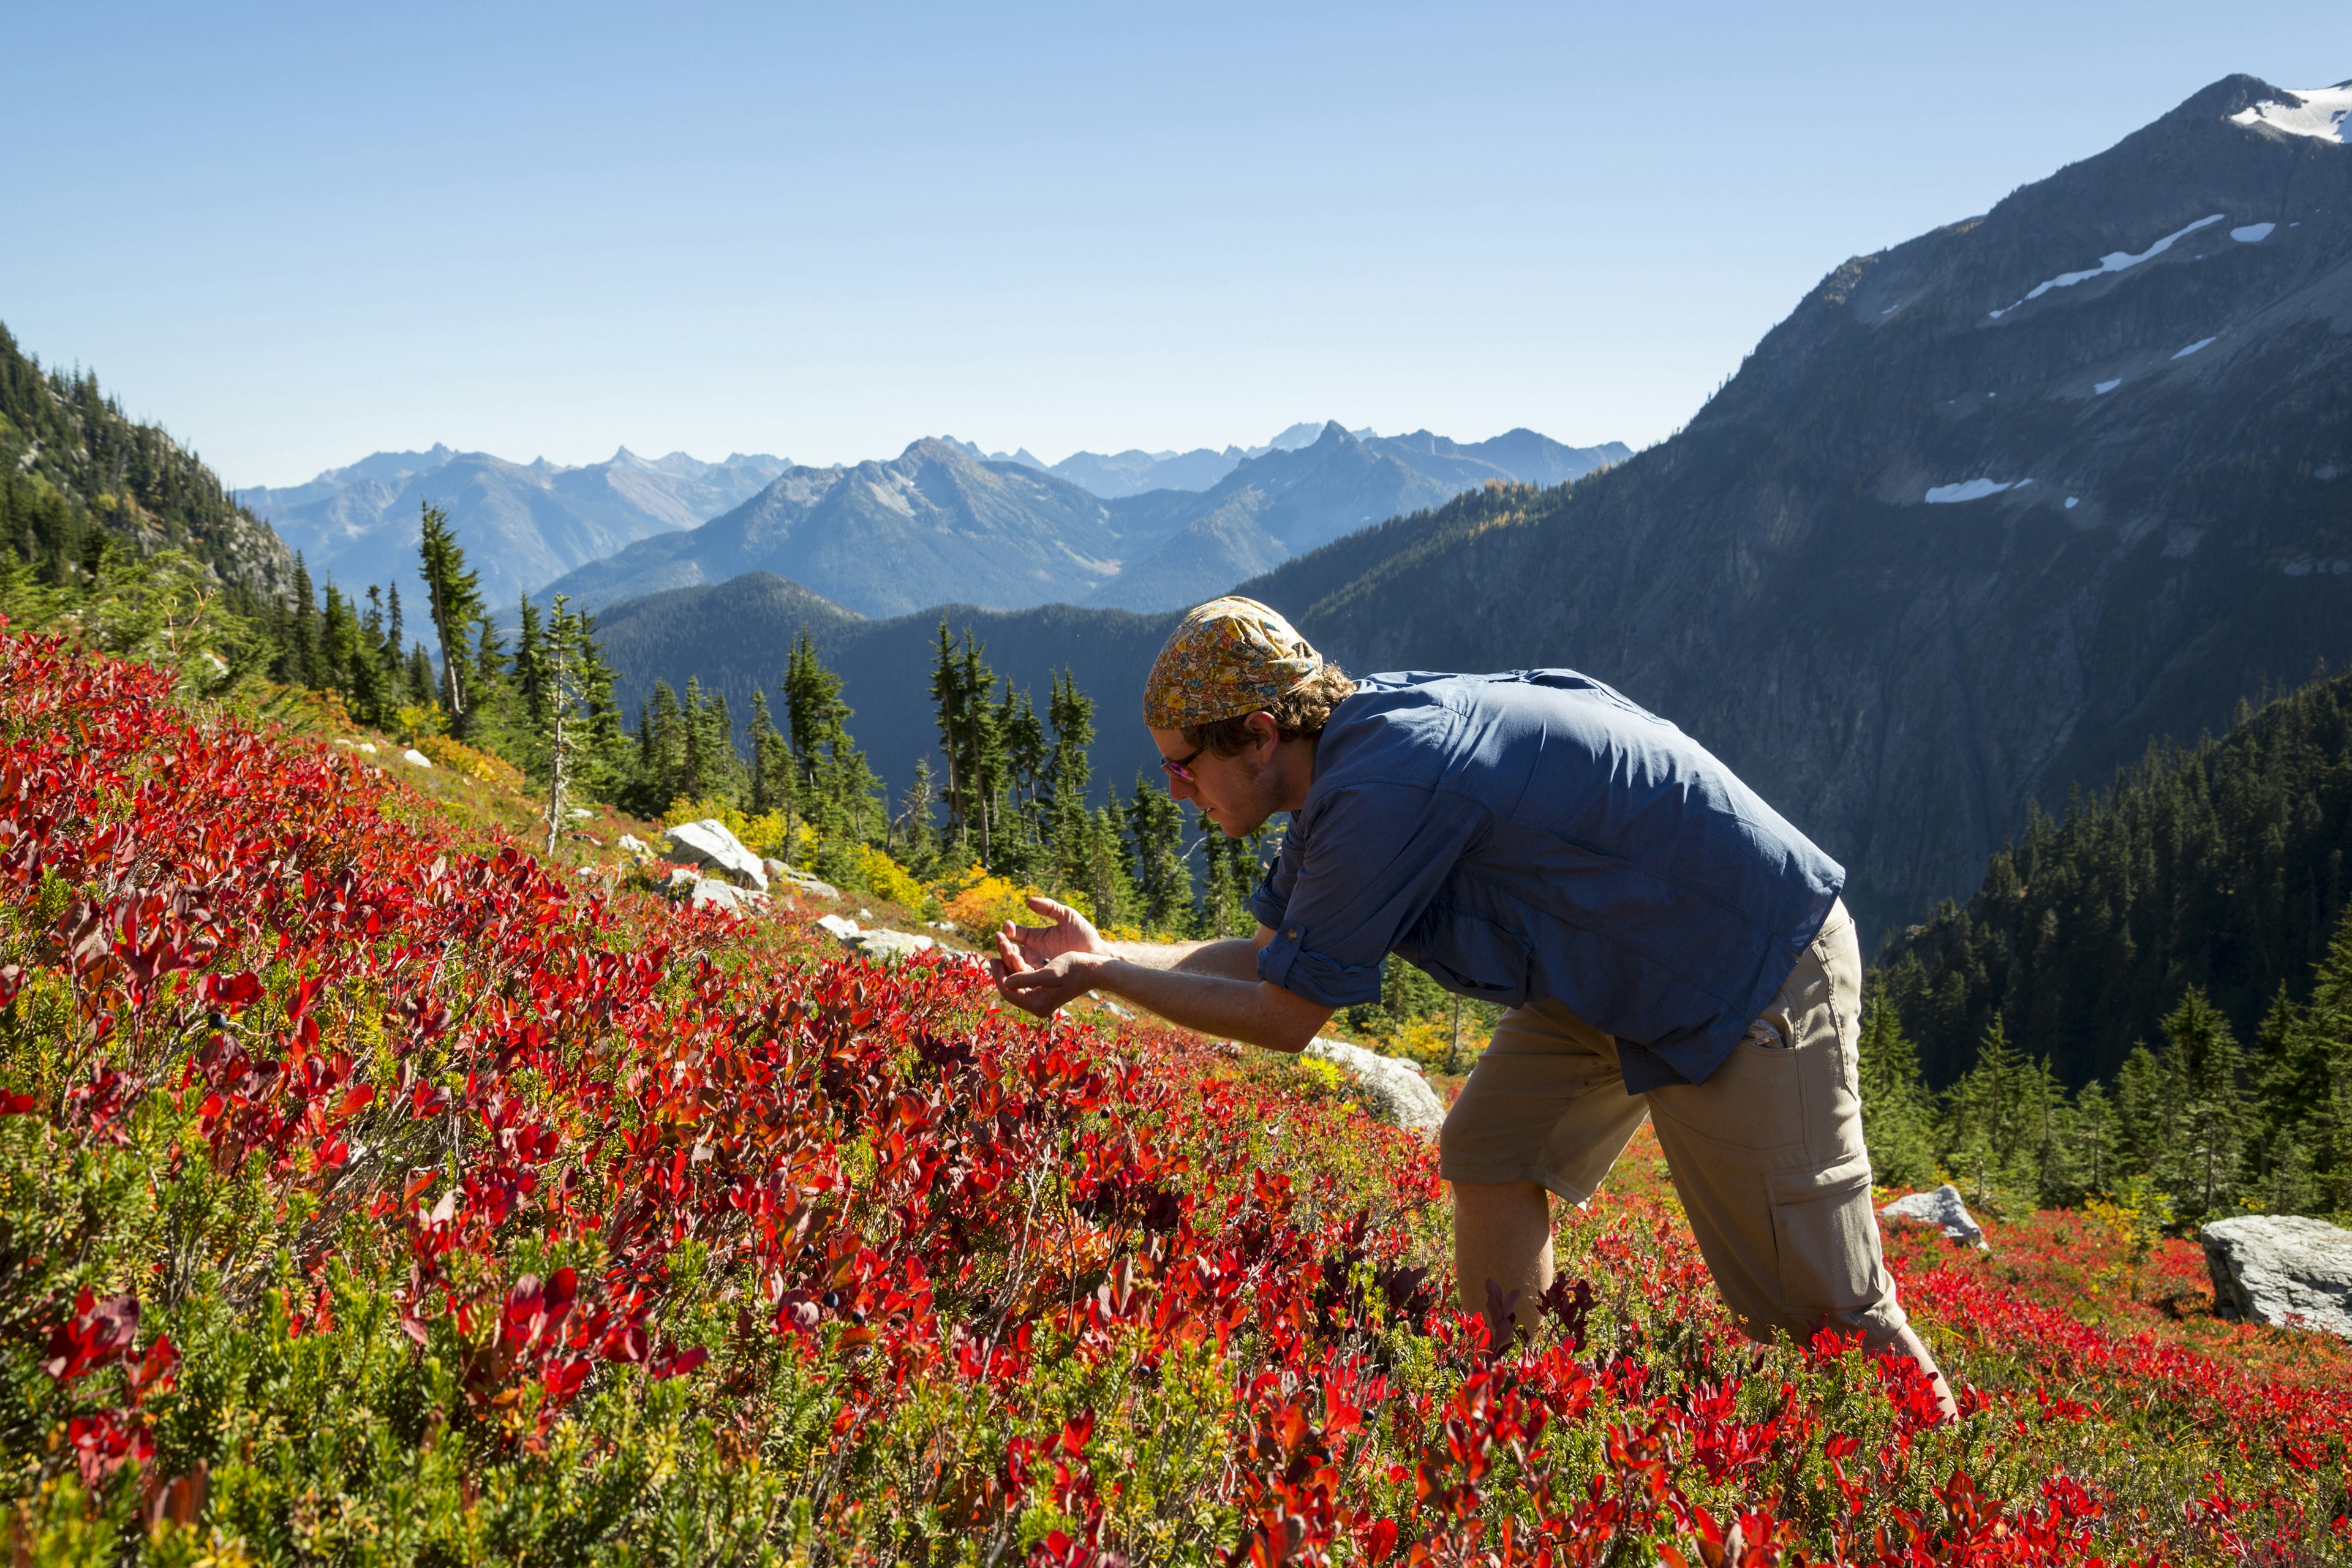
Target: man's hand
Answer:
[[1041, 988], [1038, 945]]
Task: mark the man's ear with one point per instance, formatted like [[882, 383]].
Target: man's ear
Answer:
[[1263, 731]]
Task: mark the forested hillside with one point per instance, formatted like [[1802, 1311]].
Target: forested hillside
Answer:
[[71, 461], [2220, 865]]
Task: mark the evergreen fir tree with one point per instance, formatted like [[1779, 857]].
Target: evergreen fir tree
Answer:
[[1163, 877], [457, 603], [772, 761], [1898, 1116]]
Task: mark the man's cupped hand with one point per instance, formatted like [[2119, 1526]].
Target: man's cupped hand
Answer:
[[1040, 968]]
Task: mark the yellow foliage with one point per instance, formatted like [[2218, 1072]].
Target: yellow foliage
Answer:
[[978, 902], [417, 723], [479, 766], [885, 878]]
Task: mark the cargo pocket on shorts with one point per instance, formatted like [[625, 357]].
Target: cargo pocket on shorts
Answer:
[[1827, 1239]]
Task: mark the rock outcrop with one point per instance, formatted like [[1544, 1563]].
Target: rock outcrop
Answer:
[[697, 891], [1388, 1087], [885, 946], [777, 870], [709, 844], [1941, 1209], [2282, 1269]]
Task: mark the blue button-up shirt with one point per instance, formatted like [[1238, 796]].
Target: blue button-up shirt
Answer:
[[1536, 835]]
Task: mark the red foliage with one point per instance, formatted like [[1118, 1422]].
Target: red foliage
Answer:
[[862, 1152]]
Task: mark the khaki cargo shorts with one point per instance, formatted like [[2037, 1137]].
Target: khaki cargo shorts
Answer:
[[1767, 1154]]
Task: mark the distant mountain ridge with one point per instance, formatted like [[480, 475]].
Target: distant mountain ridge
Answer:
[[522, 523], [940, 525]]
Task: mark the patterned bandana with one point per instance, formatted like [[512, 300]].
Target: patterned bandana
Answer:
[[1231, 656]]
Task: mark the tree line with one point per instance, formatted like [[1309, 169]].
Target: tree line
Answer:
[[2152, 992], [1011, 791]]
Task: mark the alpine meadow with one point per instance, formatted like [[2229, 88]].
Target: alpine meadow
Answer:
[[519, 1022]]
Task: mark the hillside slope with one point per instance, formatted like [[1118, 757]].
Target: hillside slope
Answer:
[[346, 1156], [2223, 866], [61, 438]]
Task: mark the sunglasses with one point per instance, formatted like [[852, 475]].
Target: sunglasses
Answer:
[[1181, 767]]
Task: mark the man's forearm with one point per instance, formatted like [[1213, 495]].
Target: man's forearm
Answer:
[[1218, 1002], [1232, 958]]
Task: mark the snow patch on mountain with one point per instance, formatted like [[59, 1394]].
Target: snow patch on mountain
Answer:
[[2193, 348], [2252, 232], [2112, 261], [2321, 112], [1971, 490]]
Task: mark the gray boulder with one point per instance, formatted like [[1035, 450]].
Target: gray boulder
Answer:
[[889, 946], [2282, 1269], [1941, 1209], [885, 946], [1388, 1087], [697, 891], [709, 844], [801, 880]]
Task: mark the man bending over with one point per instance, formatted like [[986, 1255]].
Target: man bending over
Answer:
[[1666, 944]]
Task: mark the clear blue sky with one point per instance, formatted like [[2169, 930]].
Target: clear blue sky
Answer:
[[295, 234]]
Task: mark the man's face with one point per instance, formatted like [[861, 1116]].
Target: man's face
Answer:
[[1237, 792]]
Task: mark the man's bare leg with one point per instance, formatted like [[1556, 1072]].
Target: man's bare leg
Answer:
[[1501, 1234]]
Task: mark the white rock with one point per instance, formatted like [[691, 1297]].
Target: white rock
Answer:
[[2285, 1270], [708, 843], [697, 891], [581, 813], [801, 880], [415, 757], [1388, 1087], [634, 847], [1941, 1209], [889, 946]]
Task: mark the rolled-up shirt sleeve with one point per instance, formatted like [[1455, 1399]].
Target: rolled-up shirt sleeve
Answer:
[[1352, 880]]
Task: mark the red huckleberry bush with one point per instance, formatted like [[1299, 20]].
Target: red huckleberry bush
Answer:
[[370, 1196]]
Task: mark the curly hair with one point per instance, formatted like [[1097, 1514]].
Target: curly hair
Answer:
[[1299, 713]]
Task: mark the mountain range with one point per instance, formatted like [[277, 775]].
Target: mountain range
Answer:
[[1134, 471], [522, 523], [936, 524], [1986, 513]]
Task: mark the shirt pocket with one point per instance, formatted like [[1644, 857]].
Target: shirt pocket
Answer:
[[1470, 954]]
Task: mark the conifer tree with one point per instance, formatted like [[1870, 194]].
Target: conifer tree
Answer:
[[1069, 829], [457, 603], [1163, 877], [1898, 1120], [531, 661], [661, 752], [2211, 1116], [910, 838], [772, 761]]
